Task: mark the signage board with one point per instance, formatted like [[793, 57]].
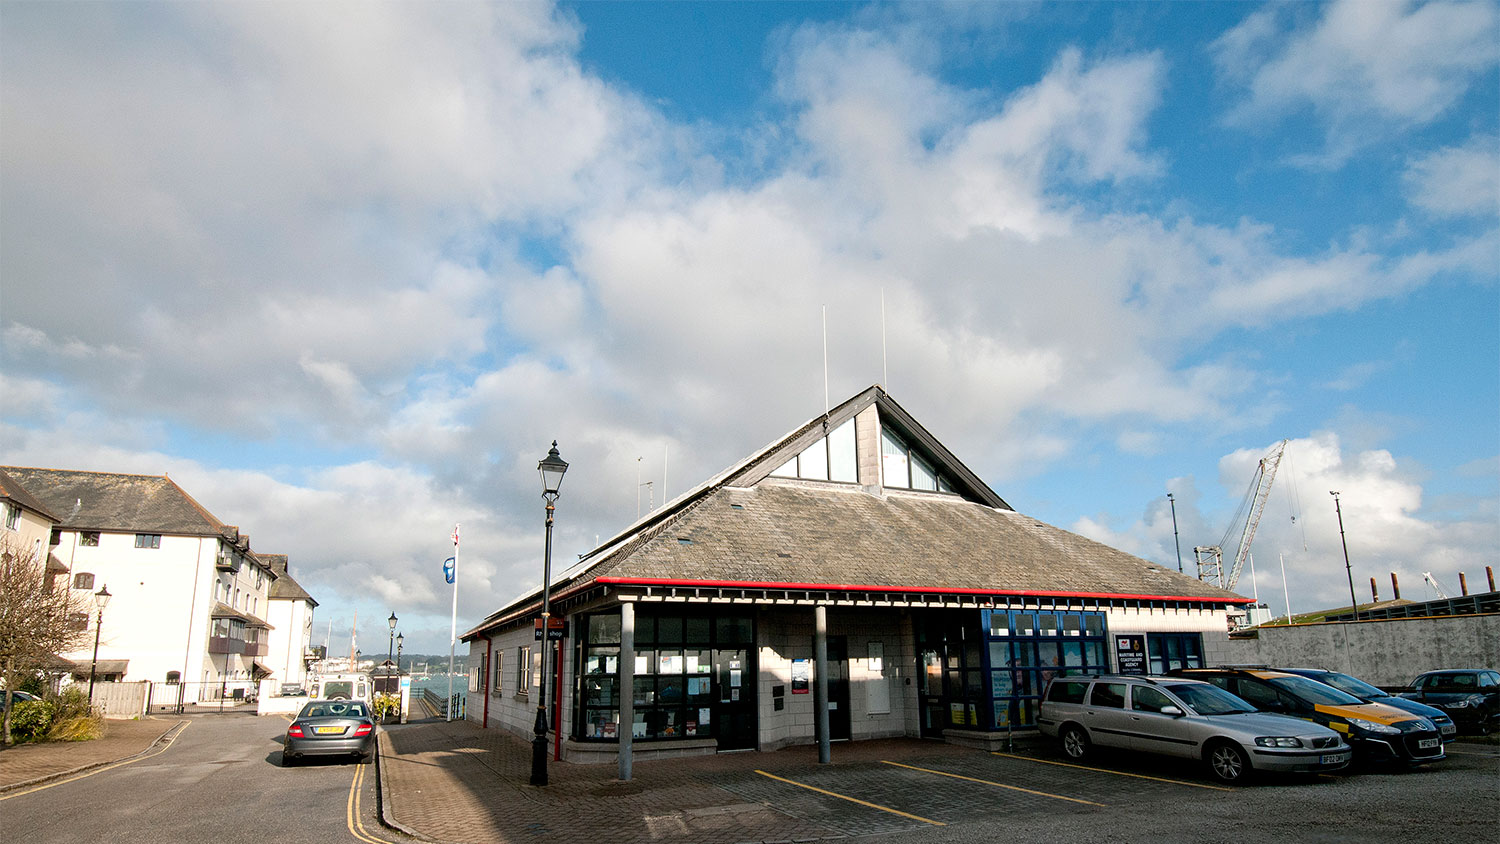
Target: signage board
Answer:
[[1130, 654], [557, 629]]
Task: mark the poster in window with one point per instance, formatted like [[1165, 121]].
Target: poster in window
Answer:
[[705, 716], [801, 674], [956, 713]]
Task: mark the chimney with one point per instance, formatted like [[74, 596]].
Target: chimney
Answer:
[[1395, 586], [1463, 584], [1490, 573], [1374, 593]]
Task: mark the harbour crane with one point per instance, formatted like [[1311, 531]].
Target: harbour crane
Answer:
[[1211, 557], [1432, 581]]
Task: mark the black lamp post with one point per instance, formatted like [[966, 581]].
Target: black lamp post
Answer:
[[101, 600], [390, 647], [1353, 601], [399, 638], [552, 468], [1175, 541]]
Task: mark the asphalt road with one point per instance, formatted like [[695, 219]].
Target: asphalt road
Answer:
[[220, 781]]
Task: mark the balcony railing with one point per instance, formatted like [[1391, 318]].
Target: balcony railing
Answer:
[[256, 649]]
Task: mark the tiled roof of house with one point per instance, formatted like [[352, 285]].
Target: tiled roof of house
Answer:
[[12, 489], [116, 502], [792, 533], [284, 587]]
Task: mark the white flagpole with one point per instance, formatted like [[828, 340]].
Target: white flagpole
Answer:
[[453, 631]]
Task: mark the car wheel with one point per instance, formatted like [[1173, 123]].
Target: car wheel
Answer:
[[287, 760], [1228, 763], [1075, 742]]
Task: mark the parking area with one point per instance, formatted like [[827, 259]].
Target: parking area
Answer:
[[923, 790]]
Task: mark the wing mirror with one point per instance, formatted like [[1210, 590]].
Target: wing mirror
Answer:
[[1172, 711]]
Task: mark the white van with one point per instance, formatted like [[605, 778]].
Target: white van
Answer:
[[348, 685]]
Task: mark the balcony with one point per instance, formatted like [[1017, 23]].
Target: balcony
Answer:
[[256, 649], [225, 645]]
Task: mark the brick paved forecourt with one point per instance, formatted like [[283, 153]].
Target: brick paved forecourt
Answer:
[[27, 765], [455, 782]]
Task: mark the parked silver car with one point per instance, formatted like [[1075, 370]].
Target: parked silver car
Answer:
[[1186, 718]]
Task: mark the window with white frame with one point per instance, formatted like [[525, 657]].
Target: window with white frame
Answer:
[[148, 540], [499, 673], [523, 672]]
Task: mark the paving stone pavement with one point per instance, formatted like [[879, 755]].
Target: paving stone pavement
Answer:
[[455, 782], [27, 764]]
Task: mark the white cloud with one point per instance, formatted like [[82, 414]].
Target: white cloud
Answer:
[[1361, 67], [1458, 181]]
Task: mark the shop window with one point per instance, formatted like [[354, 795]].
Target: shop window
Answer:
[[1027, 649], [1174, 650]]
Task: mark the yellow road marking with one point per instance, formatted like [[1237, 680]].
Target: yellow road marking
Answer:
[[852, 799], [356, 823], [163, 749], [1108, 771], [995, 784]]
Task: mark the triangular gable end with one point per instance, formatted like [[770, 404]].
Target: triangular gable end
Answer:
[[872, 441]]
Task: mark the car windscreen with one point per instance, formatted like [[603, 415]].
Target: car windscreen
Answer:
[[1352, 685], [338, 688], [1314, 692], [1210, 700]]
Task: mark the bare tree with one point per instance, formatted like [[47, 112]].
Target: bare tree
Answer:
[[38, 619]]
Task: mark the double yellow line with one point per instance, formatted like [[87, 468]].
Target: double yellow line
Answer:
[[353, 813]]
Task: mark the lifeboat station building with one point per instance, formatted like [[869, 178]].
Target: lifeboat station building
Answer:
[[851, 580]]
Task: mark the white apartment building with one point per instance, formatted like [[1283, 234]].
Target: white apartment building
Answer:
[[290, 614], [189, 601]]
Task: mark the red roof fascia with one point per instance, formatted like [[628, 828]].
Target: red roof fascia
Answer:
[[845, 587]]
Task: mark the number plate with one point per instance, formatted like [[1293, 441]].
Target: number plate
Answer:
[[324, 731], [1332, 758], [1428, 743]]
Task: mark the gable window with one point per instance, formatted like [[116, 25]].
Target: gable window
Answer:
[[832, 458], [12, 516], [903, 466], [89, 539], [83, 580], [148, 540]]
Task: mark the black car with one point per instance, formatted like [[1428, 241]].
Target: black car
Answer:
[[1374, 694], [330, 728], [1470, 696]]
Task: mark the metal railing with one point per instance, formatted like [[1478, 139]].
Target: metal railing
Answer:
[[454, 706]]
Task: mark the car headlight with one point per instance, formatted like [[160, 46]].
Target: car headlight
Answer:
[[1279, 741], [1465, 703], [1372, 727]]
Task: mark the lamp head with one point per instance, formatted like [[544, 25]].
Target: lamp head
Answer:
[[552, 468], [101, 598], [399, 639], [392, 621]]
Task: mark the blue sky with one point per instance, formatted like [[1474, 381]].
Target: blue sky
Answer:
[[346, 271]]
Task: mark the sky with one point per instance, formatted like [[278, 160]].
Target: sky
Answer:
[[345, 271]]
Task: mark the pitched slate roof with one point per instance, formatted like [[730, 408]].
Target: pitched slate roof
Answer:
[[284, 587], [12, 489], [745, 528], [116, 502], [785, 532]]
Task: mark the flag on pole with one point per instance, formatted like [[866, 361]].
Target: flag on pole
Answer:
[[448, 569], [455, 536]]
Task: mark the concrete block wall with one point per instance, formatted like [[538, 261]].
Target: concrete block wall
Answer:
[[512, 708], [787, 634], [1386, 652]]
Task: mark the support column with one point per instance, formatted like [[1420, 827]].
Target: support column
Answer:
[[625, 732], [820, 681]]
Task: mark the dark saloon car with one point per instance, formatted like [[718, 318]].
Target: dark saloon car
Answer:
[[1470, 696], [1373, 694], [330, 728]]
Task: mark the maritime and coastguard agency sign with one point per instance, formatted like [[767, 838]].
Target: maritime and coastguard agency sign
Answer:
[[1130, 654]]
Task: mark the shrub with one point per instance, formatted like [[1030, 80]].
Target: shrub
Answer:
[[30, 720], [84, 728], [386, 705]]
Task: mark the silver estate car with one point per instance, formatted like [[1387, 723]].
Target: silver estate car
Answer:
[[1187, 718], [330, 728]]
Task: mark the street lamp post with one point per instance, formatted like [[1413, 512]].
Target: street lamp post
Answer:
[[1353, 601], [552, 468], [1175, 541], [101, 600], [389, 648], [399, 637]]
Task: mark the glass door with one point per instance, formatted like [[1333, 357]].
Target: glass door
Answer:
[[733, 715]]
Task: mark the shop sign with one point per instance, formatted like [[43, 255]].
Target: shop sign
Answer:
[[557, 629], [1130, 654]]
